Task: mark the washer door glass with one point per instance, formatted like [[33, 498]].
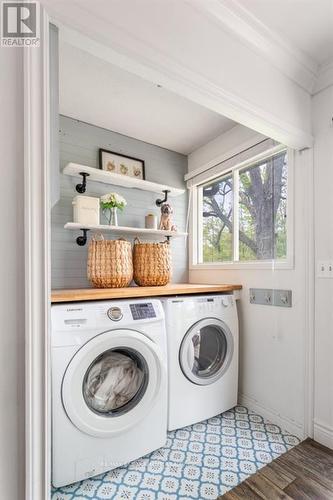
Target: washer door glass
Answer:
[[115, 382], [112, 382], [206, 351]]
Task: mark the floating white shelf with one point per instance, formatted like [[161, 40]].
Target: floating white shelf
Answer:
[[75, 226], [96, 174]]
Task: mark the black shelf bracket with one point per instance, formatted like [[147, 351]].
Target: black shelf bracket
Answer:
[[82, 240], [81, 188], [159, 202]]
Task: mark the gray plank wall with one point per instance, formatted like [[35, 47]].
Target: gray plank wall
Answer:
[[79, 143]]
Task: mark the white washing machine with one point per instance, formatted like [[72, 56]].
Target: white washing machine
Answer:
[[109, 386], [202, 338]]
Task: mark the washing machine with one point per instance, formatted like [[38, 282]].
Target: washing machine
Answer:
[[109, 385], [202, 338]]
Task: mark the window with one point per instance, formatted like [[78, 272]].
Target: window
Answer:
[[243, 214]]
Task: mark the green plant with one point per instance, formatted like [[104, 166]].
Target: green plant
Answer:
[[113, 200]]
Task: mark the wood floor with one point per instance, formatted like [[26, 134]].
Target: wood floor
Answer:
[[304, 472]]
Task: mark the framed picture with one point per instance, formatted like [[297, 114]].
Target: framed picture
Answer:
[[121, 164]]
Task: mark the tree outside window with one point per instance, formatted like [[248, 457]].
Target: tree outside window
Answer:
[[261, 207]]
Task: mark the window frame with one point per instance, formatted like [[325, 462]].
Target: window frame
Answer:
[[196, 247]]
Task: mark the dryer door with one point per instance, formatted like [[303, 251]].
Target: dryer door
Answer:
[[206, 351], [112, 382]]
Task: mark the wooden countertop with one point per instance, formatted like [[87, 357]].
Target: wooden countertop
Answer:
[[137, 291]]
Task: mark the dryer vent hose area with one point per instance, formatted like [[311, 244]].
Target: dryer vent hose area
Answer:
[[112, 381]]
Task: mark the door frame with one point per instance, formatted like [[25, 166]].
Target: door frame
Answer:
[[37, 265]]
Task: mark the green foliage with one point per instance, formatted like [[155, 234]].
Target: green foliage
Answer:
[[261, 211], [217, 244], [109, 204]]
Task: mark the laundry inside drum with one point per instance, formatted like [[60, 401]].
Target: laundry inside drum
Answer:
[[115, 382]]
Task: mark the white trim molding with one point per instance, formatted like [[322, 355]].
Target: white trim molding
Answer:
[[323, 433], [325, 77], [287, 424], [208, 174], [238, 20], [174, 76], [224, 155], [37, 281], [309, 334]]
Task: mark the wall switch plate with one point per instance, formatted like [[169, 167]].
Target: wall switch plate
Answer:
[[270, 297], [324, 269]]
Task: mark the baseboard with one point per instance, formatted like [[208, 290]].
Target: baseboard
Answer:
[[323, 434], [272, 416]]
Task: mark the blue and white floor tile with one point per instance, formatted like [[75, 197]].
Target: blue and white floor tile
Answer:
[[202, 461]]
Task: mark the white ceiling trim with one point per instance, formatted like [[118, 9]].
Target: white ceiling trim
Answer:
[[325, 78], [165, 71], [233, 17]]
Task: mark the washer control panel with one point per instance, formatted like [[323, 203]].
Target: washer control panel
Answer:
[[142, 310], [115, 313]]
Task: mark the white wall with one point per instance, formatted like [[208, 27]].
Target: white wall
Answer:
[[12, 448], [323, 165], [118, 100], [272, 339]]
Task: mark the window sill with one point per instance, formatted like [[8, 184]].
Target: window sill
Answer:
[[265, 265]]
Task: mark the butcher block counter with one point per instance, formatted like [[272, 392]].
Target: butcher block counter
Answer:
[[80, 295]]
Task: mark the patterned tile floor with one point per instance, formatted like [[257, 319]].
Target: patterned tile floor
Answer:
[[201, 461]]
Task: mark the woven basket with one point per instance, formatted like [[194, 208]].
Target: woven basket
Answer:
[[152, 263], [110, 263]]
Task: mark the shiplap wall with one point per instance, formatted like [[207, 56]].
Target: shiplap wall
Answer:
[[79, 143]]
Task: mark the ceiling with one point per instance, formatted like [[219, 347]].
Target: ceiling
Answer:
[[97, 92], [207, 53], [306, 24]]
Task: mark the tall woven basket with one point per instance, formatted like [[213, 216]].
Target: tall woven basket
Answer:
[[110, 263], [152, 263]]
